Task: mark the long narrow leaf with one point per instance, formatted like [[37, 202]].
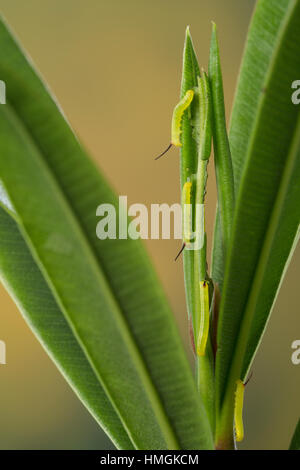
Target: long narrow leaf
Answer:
[[188, 154], [262, 36], [266, 218], [222, 155], [106, 289], [191, 136], [27, 286]]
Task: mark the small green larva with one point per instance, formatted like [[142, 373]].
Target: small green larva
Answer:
[[186, 204], [204, 318], [187, 212], [179, 109], [238, 410]]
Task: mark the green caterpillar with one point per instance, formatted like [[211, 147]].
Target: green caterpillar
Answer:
[[179, 109], [204, 318], [238, 410]]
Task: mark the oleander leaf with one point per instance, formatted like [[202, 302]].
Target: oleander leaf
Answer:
[[188, 171], [265, 132], [26, 285], [222, 155], [106, 291], [188, 153], [263, 32]]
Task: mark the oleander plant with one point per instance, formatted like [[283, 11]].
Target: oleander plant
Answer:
[[97, 306]]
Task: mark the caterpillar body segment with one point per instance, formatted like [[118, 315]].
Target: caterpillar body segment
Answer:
[[238, 410], [176, 130], [179, 109], [203, 329], [187, 208]]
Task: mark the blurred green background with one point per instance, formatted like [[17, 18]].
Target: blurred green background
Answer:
[[115, 67]]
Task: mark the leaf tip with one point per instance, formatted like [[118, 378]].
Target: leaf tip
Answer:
[[214, 36], [188, 38], [188, 31]]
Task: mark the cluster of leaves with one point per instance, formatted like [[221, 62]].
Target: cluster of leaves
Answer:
[[97, 306], [257, 220]]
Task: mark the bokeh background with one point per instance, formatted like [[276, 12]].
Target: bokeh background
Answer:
[[115, 67]]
